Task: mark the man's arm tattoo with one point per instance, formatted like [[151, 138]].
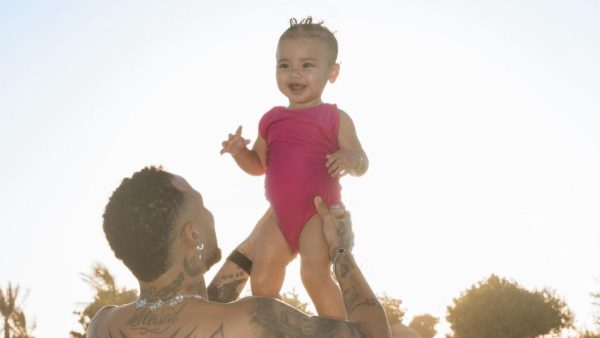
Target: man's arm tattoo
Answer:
[[227, 288], [351, 288]]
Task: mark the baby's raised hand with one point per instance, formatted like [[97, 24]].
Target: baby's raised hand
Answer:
[[343, 162], [235, 143]]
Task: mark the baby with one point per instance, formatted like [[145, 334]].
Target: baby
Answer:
[[303, 149]]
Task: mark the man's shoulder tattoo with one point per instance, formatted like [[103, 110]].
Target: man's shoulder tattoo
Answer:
[[276, 319]]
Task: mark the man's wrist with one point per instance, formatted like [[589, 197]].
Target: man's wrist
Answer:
[[338, 252]]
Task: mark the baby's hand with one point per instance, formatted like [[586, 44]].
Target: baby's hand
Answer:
[[234, 143], [342, 162]]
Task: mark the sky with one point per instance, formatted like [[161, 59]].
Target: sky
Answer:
[[480, 120]]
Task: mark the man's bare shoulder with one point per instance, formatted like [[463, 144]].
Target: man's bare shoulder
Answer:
[[100, 319], [272, 318]]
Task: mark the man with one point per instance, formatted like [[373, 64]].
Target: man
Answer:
[[157, 224]]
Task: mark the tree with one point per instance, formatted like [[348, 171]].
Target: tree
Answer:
[[498, 308], [21, 329], [107, 293], [15, 322], [292, 299], [424, 325], [587, 334], [596, 302], [392, 308]]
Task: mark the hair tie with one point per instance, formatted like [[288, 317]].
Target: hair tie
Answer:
[[293, 22]]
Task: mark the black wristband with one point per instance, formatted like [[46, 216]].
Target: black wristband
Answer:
[[240, 260]]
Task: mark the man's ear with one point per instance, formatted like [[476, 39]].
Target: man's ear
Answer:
[[334, 71], [189, 234]]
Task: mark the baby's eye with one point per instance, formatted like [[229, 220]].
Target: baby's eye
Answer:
[[283, 65], [307, 65]]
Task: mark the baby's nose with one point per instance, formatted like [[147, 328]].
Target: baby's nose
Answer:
[[296, 73]]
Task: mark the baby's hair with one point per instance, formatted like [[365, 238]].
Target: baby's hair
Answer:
[[307, 29]]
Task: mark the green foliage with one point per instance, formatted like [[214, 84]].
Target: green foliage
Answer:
[[424, 325], [14, 320], [392, 308], [292, 299], [498, 308], [107, 293]]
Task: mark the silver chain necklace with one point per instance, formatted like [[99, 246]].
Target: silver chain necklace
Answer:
[[141, 302]]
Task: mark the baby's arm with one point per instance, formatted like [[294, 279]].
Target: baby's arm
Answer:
[[351, 158], [251, 161]]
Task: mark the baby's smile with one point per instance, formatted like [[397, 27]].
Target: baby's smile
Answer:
[[296, 88]]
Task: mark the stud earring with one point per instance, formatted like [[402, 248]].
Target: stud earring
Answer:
[[199, 249]]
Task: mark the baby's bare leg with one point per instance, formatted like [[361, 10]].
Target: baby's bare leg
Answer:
[[315, 271], [272, 255]]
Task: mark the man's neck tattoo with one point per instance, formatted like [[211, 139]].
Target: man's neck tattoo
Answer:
[[192, 269], [171, 290]]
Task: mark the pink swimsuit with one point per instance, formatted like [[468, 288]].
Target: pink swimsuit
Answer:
[[298, 141]]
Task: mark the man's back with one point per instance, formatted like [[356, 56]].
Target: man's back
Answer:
[[248, 317]]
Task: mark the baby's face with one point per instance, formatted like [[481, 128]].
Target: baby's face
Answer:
[[303, 69]]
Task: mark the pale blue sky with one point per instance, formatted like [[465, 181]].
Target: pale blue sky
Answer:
[[481, 121]]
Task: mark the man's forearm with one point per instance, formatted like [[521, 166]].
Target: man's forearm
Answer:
[[249, 161], [228, 283], [362, 305]]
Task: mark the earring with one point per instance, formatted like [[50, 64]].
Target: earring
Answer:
[[199, 249]]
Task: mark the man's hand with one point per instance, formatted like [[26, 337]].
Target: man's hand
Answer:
[[235, 143], [337, 226]]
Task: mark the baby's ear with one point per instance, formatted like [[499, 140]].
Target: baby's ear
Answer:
[[334, 71]]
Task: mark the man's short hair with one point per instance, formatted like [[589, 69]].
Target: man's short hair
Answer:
[[139, 221]]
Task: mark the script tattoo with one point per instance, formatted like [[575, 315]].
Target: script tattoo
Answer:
[[276, 319], [227, 288], [169, 291], [195, 287], [158, 321]]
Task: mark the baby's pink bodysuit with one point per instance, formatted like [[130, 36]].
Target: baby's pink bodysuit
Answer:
[[298, 141]]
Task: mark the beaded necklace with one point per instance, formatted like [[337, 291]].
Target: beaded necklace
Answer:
[[140, 303]]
